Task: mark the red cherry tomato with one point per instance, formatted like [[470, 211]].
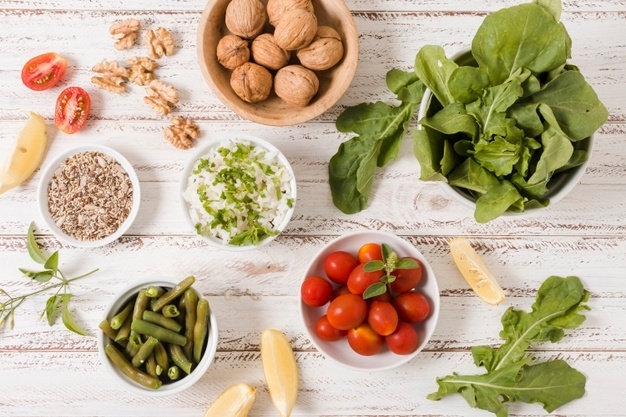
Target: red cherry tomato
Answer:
[[338, 266], [380, 297], [346, 311], [364, 340], [382, 317], [43, 71], [72, 109], [359, 280], [407, 279], [411, 306], [340, 290], [316, 291], [404, 340], [370, 252], [327, 332]]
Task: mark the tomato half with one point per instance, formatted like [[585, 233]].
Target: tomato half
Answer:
[[43, 71], [315, 291], [72, 109], [338, 266]]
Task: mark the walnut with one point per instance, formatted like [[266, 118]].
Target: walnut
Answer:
[[113, 76], [296, 85], [141, 70], [296, 29], [265, 52], [112, 84], [159, 43], [324, 51], [232, 51], [125, 32], [161, 97], [277, 8], [251, 82], [245, 18], [182, 133]]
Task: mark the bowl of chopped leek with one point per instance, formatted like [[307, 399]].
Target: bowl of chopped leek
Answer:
[[238, 192]]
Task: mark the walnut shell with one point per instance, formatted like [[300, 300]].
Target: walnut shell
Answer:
[[245, 18], [232, 51], [296, 85], [251, 82], [296, 29], [324, 51], [277, 8], [266, 52]]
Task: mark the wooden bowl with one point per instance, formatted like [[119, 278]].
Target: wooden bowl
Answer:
[[274, 111]]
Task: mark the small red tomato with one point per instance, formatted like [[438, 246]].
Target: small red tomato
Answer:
[[407, 279], [370, 252], [404, 340], [72, 109], [347, 311], [316, 291], [359, 279], [382, 317], [380, 297], [327, 332], [364, 340], [340, 290], [338, 266], [43, 71], [411, 306]]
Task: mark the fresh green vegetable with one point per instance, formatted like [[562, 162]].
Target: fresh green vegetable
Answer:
[[390, 263], [144, 351], [120, 318], [133, 373], [510, 374], [161, 333], [200, 328], [190, 299], [170, 310], [178, 357], [173, 293], [161, 320]]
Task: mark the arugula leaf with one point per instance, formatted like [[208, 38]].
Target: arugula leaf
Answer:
[[435, 69], [496, 201], [452, 119]]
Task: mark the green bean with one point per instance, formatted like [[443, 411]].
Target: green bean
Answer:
[[106, 328], [200, 328], [134, 344], [160, 354], [144, 351], [170, 310], [173, 373], [172, 294], [161, 333], [191, 301], [154, 292], [151, 366], [179, 358], [124, 331], [133, 373], [119, 318], [161, 320], [141, 303]]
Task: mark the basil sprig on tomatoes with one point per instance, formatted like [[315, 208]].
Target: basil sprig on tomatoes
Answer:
[[388, 265]]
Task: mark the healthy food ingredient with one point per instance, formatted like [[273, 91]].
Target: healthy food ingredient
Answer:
[[316, 291], [382, 317], [369, 252], [125, 33], [338, 266], [406, 278], [327, 332], [129, 370], [266, 52], [43, 71], [26, 154], [72, 109], [234, 401], [277, 8], [403, 340], [296, 85], [360, 279], [411, 306], [511, 373], [364, 340], [232, 51], [296, 29], [386, 268], [245, 18], [324, 51], [346, 311], [251, 82], [280, 369]]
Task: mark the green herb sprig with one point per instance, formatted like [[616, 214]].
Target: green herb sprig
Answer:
[[390, 263], [60, 298]]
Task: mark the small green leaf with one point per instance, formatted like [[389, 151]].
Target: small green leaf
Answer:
[[387, 251], [52, 262], [407, 263], [387, 279], [51, 307], [373, 266], [39, 276], [33, 247], [68, 320], [375, 289]]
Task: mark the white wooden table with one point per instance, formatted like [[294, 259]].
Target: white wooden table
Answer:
[[49, 371]]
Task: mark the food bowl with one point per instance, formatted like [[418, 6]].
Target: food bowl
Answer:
[[275, 215], [339, 351], [81, 218], [169, 387], [333, 82]]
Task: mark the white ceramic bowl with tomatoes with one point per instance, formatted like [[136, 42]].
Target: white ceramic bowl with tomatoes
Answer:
[[361, 316]]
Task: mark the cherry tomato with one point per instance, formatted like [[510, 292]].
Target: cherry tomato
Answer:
[[411, 306], [340, 290], [407, 279], [338, 266], [72, 109], [382, 317], [316, 291], [347, 311], [380, 297], [327, 332], [370, 252], [364, 340], [43, 71], [359, 280], [404, 340]]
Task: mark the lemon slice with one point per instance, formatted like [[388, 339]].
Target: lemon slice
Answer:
[[26, 155], [475, 271], [280, 369], [235, 401]]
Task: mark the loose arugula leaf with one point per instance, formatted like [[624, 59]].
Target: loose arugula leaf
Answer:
[[68, 320], [33, 248]]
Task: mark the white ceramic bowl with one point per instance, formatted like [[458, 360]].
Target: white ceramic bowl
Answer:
[[116, 304], [42, 196], [339, 351], [213, 241]]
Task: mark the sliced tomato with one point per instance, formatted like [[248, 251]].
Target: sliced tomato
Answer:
[[43, 71], [72, 109]]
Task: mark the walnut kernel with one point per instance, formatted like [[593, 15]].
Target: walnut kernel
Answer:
[[182, 133], [125, 32], [161, 97], [245, 18], [113, 76], [251, 82], [324, 51], [159, 43], [296, 85], [266, 52], [296, 29], [141, 70], [232, 51]]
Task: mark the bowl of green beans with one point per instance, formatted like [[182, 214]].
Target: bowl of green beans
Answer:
[[158, 336]]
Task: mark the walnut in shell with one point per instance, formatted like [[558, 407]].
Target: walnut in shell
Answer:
[[296, 29], [324, 51], [266, 52], [296, 85], [245, 18], [277, 8], [232, 51], [251, 82]]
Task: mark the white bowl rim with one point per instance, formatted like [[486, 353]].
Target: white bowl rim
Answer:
[[216, 141], [42, 193]]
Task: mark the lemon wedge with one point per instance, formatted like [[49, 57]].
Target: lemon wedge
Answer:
[[280, 369], [234, 401], [475, 272], [26, 155]]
